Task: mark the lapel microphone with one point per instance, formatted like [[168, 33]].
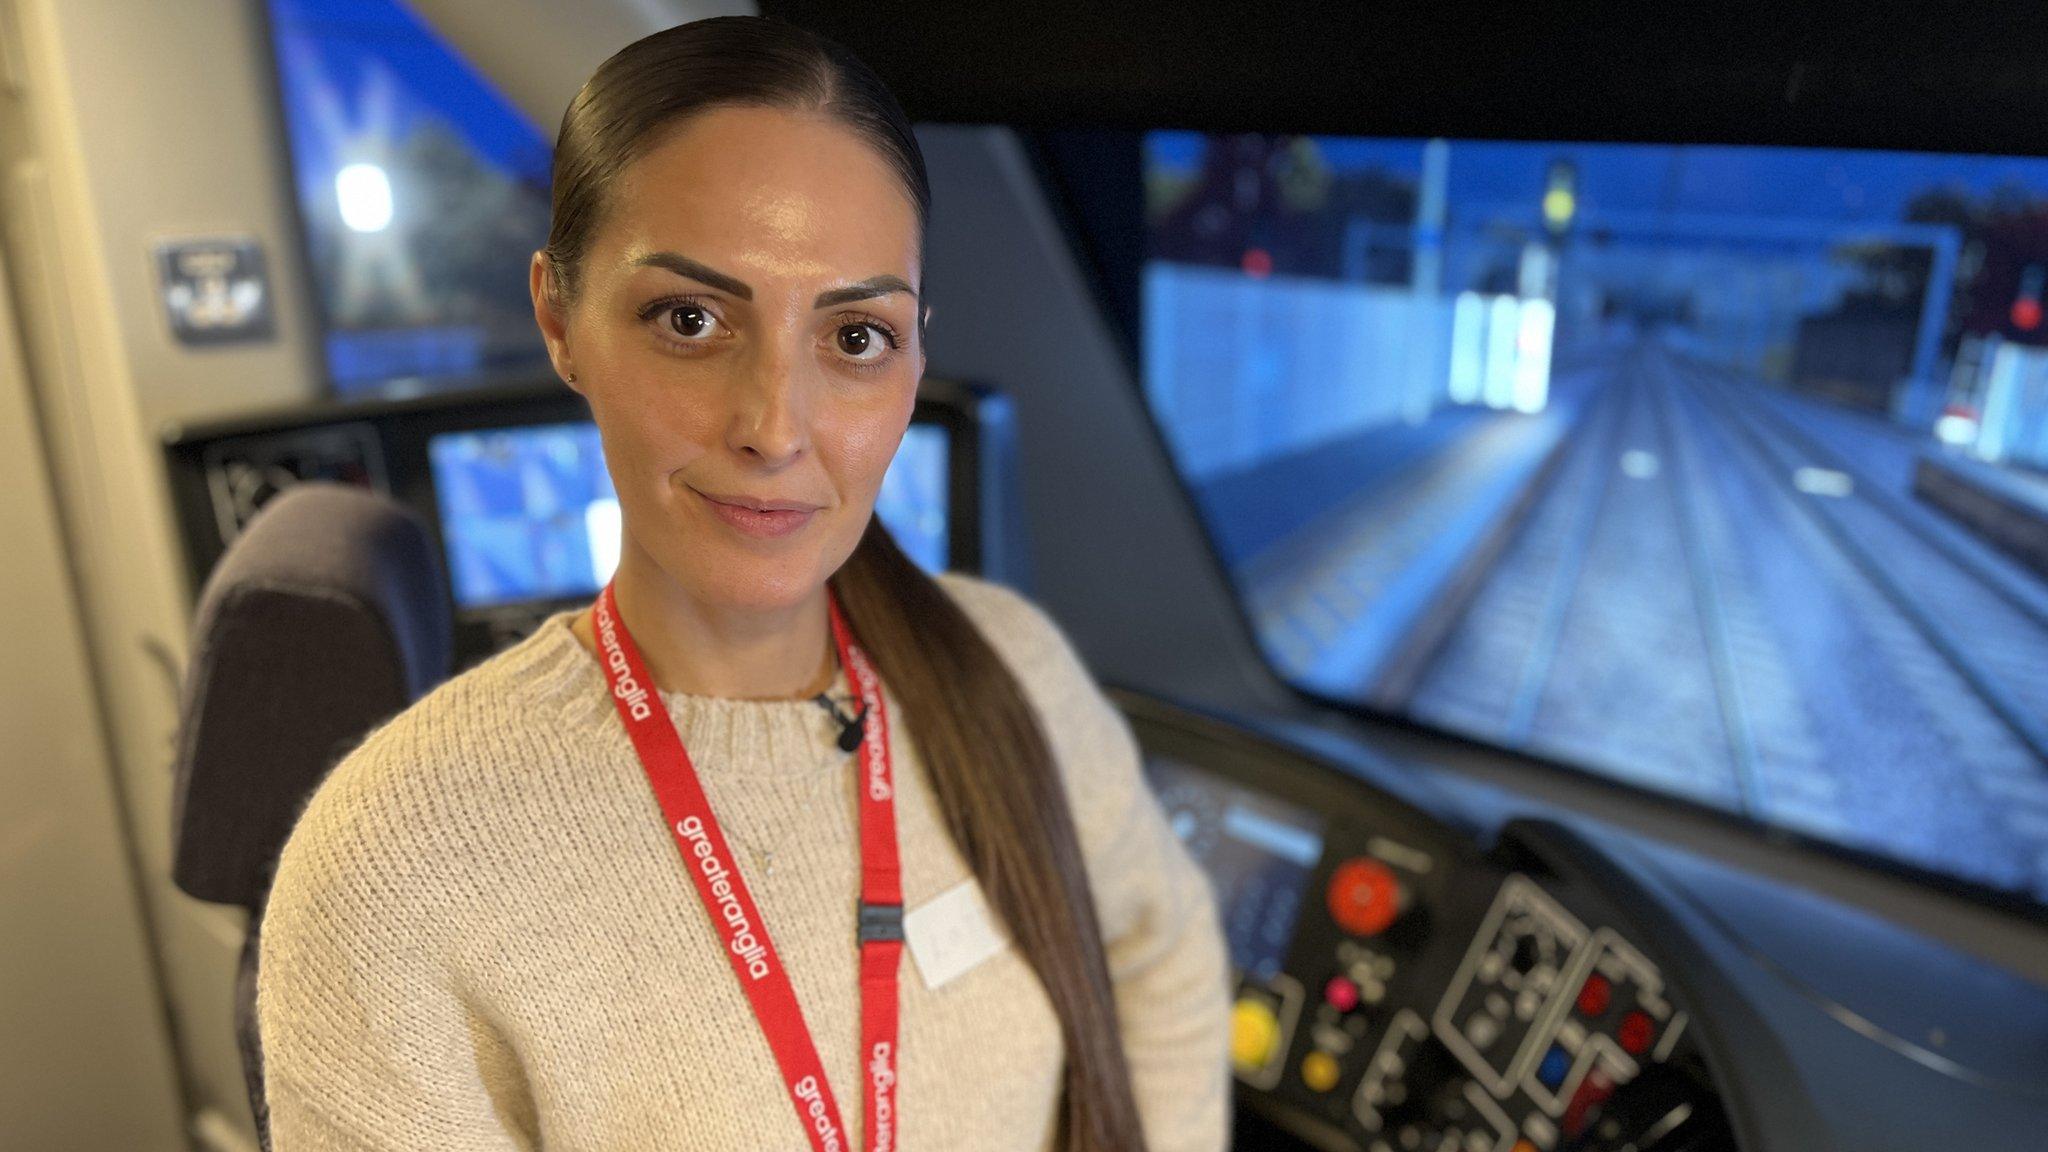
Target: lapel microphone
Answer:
[[850, 727]]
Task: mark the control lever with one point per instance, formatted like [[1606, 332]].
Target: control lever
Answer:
[[1665, 1108]]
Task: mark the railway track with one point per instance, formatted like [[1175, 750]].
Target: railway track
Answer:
[[1997, 643]]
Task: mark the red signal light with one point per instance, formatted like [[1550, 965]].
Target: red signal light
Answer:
[[1258, 263], [2026, 314], [2026, 303]]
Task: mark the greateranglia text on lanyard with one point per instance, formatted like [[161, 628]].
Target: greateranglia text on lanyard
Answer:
[[731, 907]]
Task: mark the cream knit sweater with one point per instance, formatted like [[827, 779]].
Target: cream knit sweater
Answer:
[[481, 935]]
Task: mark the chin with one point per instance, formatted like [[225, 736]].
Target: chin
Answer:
[[757, 583]]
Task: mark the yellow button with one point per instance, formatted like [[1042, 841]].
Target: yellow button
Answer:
[[1319, 1071], [1253, 1030]]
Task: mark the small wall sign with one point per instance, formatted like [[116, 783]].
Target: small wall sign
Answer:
[[215, 289]]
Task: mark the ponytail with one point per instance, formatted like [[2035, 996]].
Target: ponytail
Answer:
[[1000, 792]]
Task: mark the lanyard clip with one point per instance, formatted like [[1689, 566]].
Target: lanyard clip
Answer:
[[880, 922]]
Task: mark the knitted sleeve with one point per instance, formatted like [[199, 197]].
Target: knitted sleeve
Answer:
[[367, 1045], [1166, 951]]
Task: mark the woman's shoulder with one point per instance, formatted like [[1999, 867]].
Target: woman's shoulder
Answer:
[[1094, 745], [435, 769], [1027, 638], [980, 596]]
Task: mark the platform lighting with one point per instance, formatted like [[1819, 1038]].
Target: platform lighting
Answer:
[[1468, 348], [364, 194], [1502, 329], [1957, 426], [2002, 389], [1532, 355]]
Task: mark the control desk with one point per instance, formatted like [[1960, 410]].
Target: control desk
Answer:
[[1419, 967], [1398, 989]]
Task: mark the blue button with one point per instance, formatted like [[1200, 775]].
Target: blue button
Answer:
[[1556, 1063]]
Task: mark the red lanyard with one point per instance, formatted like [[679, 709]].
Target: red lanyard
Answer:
[[731, 907]]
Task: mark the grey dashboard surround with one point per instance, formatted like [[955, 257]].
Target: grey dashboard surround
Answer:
[[1117, 553]]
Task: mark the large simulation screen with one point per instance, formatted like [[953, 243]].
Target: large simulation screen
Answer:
[[529, 513], [1718, 471]]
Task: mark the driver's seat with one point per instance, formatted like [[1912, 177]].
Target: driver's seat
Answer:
[[326, 617]]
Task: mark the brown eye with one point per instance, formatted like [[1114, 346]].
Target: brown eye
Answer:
[[692, 321], [861, 342]]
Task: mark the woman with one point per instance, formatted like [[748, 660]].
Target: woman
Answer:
[[497, 926]]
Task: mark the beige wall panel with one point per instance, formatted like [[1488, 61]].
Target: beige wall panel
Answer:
[[136, 121], [123, 122], [85, 1059]]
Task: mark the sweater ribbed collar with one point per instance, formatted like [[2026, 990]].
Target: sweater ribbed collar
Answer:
[[562, 680]]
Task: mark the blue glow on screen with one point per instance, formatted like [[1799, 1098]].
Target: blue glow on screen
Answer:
[[912, 502], [421, 191], [529, 513], [1658, 460], [526, 513], [1274, 837]]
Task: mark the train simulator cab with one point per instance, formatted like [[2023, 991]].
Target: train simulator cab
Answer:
[[1559, 499]]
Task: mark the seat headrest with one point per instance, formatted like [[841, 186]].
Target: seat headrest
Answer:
[[326, 616]]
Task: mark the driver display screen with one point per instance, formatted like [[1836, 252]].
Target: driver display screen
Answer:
[[1259, 854], [529, 513], [526, 513]]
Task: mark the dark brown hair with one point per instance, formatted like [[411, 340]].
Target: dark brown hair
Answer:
[[991, 765]]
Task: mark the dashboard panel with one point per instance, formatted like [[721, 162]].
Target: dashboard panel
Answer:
[[511, 485], [1400, 988]]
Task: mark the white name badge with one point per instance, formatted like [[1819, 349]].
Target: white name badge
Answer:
[[951, 933]]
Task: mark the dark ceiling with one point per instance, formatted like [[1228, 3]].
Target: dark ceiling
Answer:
[[1948, 77]]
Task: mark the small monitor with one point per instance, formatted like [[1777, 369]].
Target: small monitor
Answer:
[[913, 502], [528, 513]]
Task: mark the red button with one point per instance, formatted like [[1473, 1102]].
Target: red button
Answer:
[[1341, 993], [1593, 1091], [1593, 997], [1365, 896], [1636, 1032]]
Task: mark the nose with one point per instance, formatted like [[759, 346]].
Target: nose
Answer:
[[769, 420]]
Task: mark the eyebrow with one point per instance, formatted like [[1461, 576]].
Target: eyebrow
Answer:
[[867, 289], [710, 277]]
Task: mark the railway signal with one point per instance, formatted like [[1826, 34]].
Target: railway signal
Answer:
[[2026, 307], [1560, 196]]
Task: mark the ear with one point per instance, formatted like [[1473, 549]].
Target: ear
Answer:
[[550, 315]]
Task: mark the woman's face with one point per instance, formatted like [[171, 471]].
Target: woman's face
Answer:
[[746, 334]]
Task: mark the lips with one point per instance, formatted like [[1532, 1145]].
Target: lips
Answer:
[[759, 518], [759, 505]]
